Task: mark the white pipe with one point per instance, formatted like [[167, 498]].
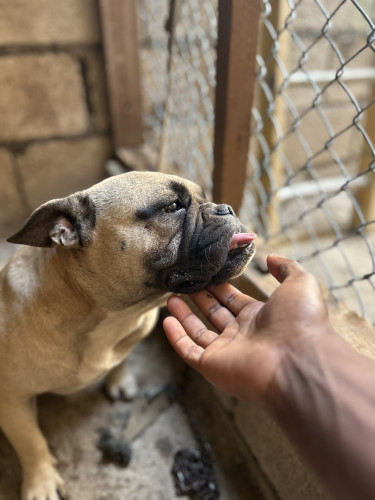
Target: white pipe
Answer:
[[313, 188], [325, 76]]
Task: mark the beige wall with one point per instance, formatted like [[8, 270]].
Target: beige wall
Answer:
[[54, 132]]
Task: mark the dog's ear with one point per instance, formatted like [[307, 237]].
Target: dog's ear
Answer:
[[68, 222]]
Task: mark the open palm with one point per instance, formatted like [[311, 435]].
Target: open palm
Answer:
[[256, 337]]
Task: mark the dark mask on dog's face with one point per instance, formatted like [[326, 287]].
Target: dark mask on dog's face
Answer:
[[209, 244]]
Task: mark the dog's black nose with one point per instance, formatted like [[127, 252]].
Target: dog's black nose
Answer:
[[224, 210]]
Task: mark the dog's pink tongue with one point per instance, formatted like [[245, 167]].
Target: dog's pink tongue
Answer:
[[241, 239]]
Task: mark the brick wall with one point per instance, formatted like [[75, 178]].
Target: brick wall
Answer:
[[54, 131]]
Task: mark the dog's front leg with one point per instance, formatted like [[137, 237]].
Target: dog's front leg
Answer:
[[120, 383], [41, 481]]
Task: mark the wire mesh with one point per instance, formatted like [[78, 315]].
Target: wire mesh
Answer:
[[179, 86], [311, 162], [190, 115], [311, 184]]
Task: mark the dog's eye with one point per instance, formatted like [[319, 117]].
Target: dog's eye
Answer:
[[173, 207]]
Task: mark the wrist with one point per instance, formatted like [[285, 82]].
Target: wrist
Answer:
[[322, 398], [300, 366]]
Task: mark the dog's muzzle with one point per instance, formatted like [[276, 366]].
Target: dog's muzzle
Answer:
[[218, 249]]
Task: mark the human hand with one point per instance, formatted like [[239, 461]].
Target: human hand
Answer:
[[257, 338], [284, 355]]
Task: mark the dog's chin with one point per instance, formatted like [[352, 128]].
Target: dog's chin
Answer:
[[191, 280], [236, 263]]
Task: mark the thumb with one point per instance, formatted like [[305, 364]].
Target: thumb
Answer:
[[282, 268]]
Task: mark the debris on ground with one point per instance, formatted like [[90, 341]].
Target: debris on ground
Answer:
[[114, 449], [115, 446], [193, 473], [193, 468], [146, 409]]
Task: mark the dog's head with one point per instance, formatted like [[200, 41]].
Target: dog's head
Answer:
[[144, 231]]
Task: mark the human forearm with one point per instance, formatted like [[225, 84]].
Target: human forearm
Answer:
[[324, 399]]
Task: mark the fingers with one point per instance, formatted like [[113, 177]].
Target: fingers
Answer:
[[220, 304], [282, 268], [190, 324], [181, 342], [218, 315]]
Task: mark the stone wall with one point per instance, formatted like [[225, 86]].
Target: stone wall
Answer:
[[54, 129]]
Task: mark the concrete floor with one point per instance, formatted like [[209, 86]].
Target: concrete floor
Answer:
[[72, 425]]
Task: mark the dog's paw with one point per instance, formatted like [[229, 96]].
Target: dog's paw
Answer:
[[43, 483], [124, 388]]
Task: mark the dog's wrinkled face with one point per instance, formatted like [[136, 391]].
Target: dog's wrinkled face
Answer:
[[143, 232], [208, 244], [180, 241]]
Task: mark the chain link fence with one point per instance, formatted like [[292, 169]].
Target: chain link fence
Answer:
[[311, 163], [179, 84], [310, 187]]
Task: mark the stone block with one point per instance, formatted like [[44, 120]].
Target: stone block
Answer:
[[41, 22], [12, 209], [41, 96], [55, 169]]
